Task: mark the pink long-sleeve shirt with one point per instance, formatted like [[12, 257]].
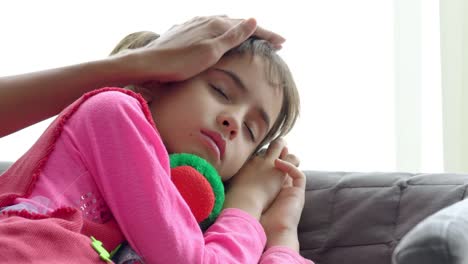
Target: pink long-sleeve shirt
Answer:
[[110, 161]]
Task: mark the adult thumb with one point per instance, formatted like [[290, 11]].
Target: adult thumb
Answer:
[[237, 34]]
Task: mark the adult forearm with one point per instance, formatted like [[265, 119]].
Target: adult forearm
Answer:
[[29, 98]]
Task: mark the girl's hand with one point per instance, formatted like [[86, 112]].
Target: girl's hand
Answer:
[[192, 47], [258, 182], [281, 219]]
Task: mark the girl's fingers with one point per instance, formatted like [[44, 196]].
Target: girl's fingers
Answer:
[[275, 148], [287, 182], [291, 158], [284, 153], [298, 177]]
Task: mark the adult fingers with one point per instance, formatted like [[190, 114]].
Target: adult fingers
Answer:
[[298, 177], [260, 32], [274, 38], [270, 36], [236, 35]]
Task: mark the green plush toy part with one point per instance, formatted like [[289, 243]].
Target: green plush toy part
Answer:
[[200, 185]]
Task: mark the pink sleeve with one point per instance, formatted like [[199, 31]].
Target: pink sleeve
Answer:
[[279, 254], [129, 164]]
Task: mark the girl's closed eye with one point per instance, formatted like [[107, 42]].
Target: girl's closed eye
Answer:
[[252, 136], [220, 91]]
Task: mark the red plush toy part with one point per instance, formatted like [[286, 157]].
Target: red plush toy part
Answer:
[[195, 190]]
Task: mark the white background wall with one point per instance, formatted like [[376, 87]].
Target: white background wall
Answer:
[[341, 53]]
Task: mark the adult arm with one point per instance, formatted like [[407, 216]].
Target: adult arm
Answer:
[[29, 98]]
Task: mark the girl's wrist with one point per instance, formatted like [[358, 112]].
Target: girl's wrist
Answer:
[[286, 238], [246, 202]]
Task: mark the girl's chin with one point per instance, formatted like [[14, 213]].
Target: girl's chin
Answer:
[[180, 150], [203, 157]]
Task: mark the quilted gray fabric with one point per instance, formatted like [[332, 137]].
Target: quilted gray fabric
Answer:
[[360, 217]]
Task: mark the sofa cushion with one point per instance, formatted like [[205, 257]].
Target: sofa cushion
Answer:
[[360, 217], [441, 238]]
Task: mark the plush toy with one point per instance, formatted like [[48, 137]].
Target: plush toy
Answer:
[[201, 187]]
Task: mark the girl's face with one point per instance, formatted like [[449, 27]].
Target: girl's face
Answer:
[[221, 114]]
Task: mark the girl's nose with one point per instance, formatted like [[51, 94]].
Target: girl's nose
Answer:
[[229, 125]]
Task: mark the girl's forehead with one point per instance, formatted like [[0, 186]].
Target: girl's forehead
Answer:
[[254, 68], [249, 67]]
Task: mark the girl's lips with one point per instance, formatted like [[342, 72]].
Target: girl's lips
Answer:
[[215, 141], [211, 145]]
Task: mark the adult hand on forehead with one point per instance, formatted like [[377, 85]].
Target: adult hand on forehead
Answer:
[[192, 47]]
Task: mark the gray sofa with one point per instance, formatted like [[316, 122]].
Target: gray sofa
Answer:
[[374, 218], [377, 218]]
